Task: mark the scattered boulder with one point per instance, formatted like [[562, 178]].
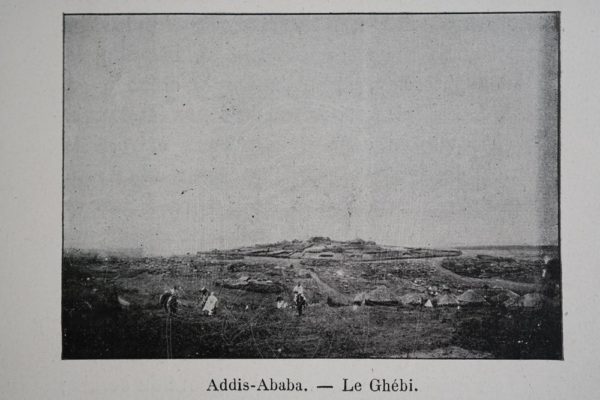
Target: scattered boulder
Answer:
[[428, 304]]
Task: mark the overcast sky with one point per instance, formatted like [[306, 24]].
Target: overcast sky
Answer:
[[427, 130]]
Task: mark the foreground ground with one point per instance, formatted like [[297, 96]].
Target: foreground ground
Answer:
[[248, 325]]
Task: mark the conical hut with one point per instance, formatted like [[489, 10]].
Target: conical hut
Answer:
[[360, 299], [446, 300], [411, 299], [380, 296], [471, 297]]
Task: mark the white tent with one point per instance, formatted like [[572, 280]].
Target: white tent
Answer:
[[446, 299]]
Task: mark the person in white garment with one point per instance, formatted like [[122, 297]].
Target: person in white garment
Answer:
[[281, 303], [211, 304]]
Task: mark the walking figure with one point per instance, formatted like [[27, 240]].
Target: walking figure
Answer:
[[210, 305], [300, 303], [168, 300], [298, 289]]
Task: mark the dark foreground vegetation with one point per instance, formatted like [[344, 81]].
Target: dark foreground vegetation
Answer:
[[247, 324]]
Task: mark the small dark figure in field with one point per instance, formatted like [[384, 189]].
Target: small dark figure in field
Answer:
[[300, 303], [168, 300], [299, 298]]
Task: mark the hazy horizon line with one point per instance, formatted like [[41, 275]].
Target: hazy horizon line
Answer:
[[430, 246]]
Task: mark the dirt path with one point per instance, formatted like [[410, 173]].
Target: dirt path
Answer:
[[328, 290], [519, 287], [436, 263]]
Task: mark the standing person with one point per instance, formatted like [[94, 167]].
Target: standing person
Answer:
[[300, 303], [211, 304], [298, 289], [203, 296], [168, 300]]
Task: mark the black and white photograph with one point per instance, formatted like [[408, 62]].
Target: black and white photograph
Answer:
[[311, 186]]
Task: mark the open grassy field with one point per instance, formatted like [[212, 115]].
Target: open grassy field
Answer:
[[356, 309]]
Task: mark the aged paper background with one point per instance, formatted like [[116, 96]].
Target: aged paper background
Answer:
[[30, 345]]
